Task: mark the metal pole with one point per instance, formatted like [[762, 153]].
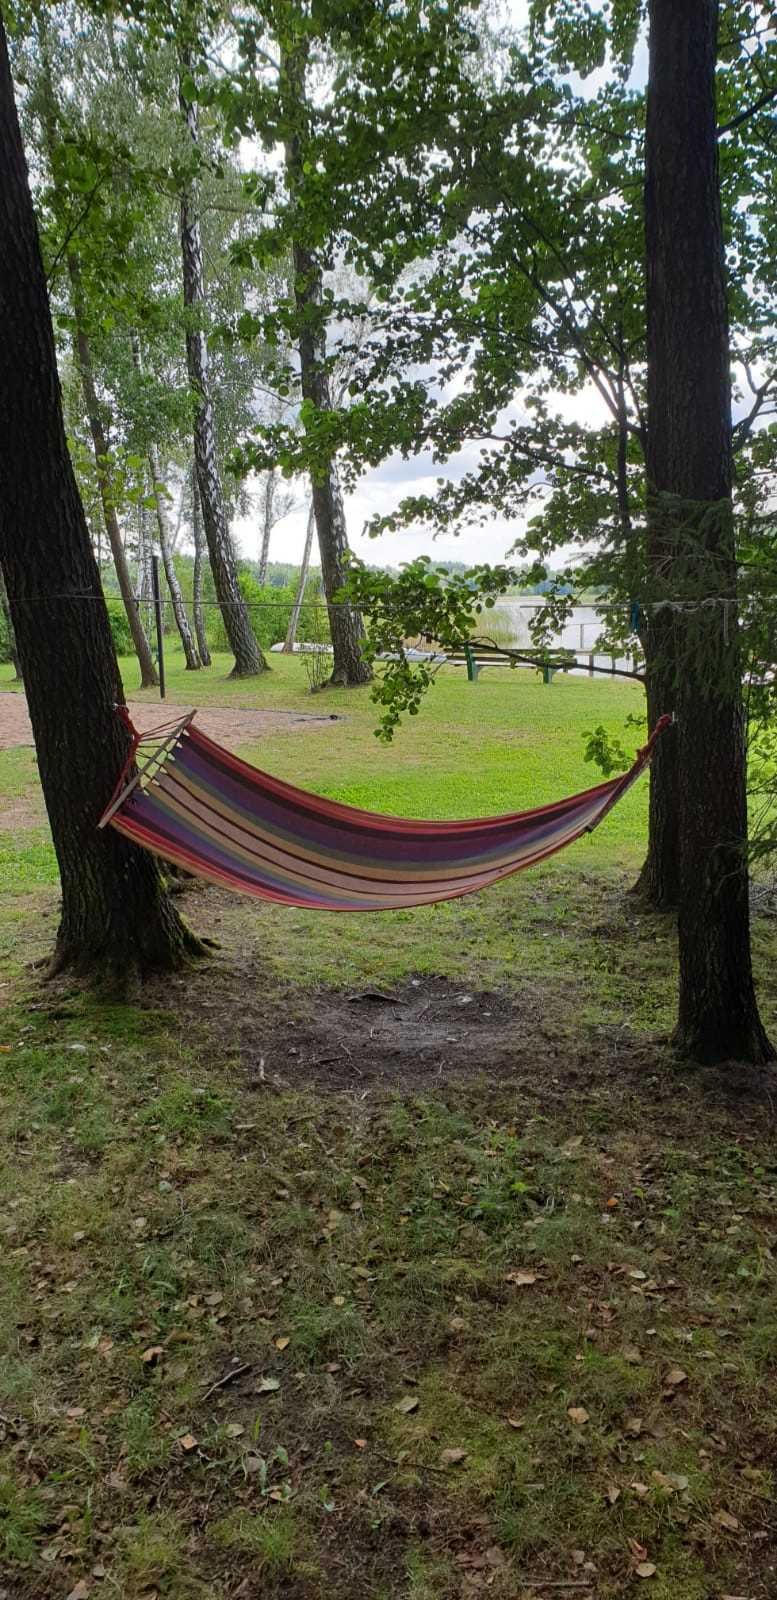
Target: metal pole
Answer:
[[160, 644]]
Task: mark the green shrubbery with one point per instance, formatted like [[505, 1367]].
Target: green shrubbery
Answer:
[[120, 628], [269, 610]]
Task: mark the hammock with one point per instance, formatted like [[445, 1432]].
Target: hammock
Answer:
[[202, 808]]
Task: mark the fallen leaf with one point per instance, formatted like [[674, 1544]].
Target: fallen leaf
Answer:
[[638, 1275], [675, 1377], [81, 1591], [641, 1490], [76, 1411], [338, 1300], [187, 1442], [281, 1344], [407, 1404], [633, 1426], [613, 1493], [214, 1299], [268, 1385], [724, 1519], [577, 1414], [233, 1430], [152, 1354], [451, 1458], [632, 1355], [360, 1443], [516, 1422], [522, 1280], [645, 1569]]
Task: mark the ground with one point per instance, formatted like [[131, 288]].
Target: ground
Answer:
[[386, 1256]]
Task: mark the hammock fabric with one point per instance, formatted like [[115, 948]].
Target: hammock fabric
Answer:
[[217, 817]]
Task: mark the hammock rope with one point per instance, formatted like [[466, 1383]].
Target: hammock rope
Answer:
[[199, 806]]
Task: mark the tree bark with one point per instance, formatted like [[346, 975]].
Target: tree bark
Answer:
[[116, 916], [267, 525], [345, 623], [291, 631], [166, 546], [94, 413], [689, 471], [199, 555], [248, 657], [6, 610], [145, 584]]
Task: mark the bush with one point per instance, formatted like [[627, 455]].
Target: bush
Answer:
[[269, 611], [120, 628]]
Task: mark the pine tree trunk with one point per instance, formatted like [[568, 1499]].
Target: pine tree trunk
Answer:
[[199, 556], [116, 917], [291, 631], [689, 472], [267, 525], [345, 623], [83, 356], [248, 657], [166, 546], [12, 650]]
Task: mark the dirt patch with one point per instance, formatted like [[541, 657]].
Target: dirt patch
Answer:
[[428, 1032], [231, 727]]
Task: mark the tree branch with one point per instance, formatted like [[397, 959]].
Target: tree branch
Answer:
[[750, 111]]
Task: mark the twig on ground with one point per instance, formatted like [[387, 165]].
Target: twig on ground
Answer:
[[229, 1377]]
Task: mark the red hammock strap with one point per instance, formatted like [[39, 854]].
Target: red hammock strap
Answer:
[[166, 732]]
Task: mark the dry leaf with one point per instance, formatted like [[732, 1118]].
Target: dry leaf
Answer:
[[675, 1377], [577, 1414], [360, 1443], [521, 1279], [633, 1426], [724, 1519], [613, 1493], [233, 1430], [76, 1411], [268, 1386], [516, 1422], [451, 1458], [81, 1591], [338, 1300], [638, 1274], [214, 1299], [632, 1355], [281, 1344], [188, 1442], [408, 1404], [641, 1490], [152, 1354], [645, 1570]]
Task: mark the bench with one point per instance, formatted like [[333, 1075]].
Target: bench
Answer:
[[474, 659]]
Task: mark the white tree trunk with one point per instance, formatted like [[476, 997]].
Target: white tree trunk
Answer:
[[291, 631]]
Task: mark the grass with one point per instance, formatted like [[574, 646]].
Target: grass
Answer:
[[555, 1260]]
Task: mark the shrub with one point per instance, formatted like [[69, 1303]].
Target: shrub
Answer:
[[120, 628], [269, 611]]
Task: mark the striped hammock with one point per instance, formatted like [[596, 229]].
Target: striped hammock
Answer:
[[202, 808]]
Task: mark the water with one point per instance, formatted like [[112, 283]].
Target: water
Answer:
[[510, 619]]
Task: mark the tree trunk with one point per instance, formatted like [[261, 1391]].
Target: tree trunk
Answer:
[[691, 522], [267, 525], [145, 582], [83, 356], [166, 546], [345, 623], [199, 554], [248, 657], [6, 610], [116, 917], [291, 631]]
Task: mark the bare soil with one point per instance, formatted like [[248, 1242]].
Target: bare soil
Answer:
[[231, 727]]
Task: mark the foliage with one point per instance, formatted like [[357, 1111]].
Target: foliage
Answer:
[[120, 628], [269, 610]]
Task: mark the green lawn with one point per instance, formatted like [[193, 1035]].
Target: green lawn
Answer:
[[502, 1321]]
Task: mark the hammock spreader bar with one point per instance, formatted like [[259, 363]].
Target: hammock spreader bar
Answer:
[[212, 814]]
